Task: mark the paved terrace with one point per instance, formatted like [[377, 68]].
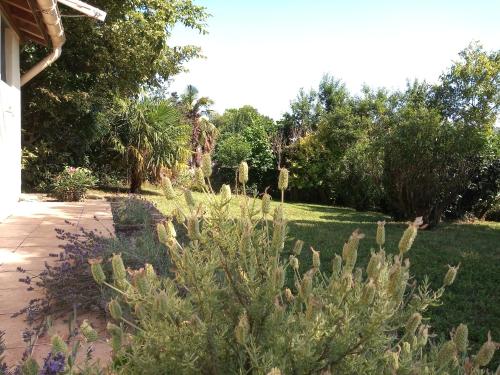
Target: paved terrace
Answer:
[[26, 239]]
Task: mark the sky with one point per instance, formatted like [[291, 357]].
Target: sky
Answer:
[[262, 52]]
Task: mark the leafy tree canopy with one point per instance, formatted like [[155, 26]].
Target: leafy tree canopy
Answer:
[[470, 90], [101, 60]]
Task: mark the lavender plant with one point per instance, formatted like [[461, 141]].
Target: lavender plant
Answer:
[[230, 308], [3, 366], [63, 356], [67, 283]]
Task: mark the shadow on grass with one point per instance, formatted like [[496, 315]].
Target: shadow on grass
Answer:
[[343, 213]]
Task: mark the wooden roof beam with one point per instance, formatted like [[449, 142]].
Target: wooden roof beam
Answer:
[[10, 21], [36, 39], [20, 19], [20, 4], [21, 13], [30, 30]]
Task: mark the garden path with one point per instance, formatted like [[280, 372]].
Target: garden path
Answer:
[[27, 238]]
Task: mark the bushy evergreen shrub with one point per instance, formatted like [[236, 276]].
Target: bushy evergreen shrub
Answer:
[[240, 302]]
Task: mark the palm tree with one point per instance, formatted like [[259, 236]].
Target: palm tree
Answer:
[[196, 111], [148, 133]]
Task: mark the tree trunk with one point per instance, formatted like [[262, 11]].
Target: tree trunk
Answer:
[[135, 183], [136, 177]]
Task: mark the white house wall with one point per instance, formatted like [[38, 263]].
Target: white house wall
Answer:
[[10, 128]]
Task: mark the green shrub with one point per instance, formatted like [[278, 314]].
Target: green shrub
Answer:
[[239, 302], [245, 134], [72, 184], [232, 150], [428, 160]]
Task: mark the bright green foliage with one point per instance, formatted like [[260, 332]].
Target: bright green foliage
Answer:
[[232, 150], [428, 161], [483, 190], [72, 183], [245, 134], [341, 161], [469, 90], [29, 367], [303, 116], [230, 309]]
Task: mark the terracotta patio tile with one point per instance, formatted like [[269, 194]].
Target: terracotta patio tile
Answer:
[[96, 225], [12, 356], [14, 233], [10, 280], [28, 225], [35, 238], [55, 221], [42, 242], [32, 265], [15, 299], [48, 231], [11, 242], [13, 328], [6, 254], [33, 252]]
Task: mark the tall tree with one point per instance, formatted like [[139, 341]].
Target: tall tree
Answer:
[[148, 134], [469, 94], [469, 91], [302, 118], [196, 111]]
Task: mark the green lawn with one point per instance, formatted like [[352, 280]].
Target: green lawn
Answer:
[[474, 298]]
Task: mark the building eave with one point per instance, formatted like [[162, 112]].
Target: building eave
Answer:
[[25, 18]]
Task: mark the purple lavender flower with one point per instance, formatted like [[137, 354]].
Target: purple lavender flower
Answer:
[[53, 364]]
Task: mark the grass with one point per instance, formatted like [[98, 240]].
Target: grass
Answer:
[[472, 299]]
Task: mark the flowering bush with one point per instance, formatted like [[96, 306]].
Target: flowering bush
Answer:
[[240, 302], [72, 184], [63, 357]]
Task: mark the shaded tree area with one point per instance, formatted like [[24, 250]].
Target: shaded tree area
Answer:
[[101, 63], [149, 134]]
